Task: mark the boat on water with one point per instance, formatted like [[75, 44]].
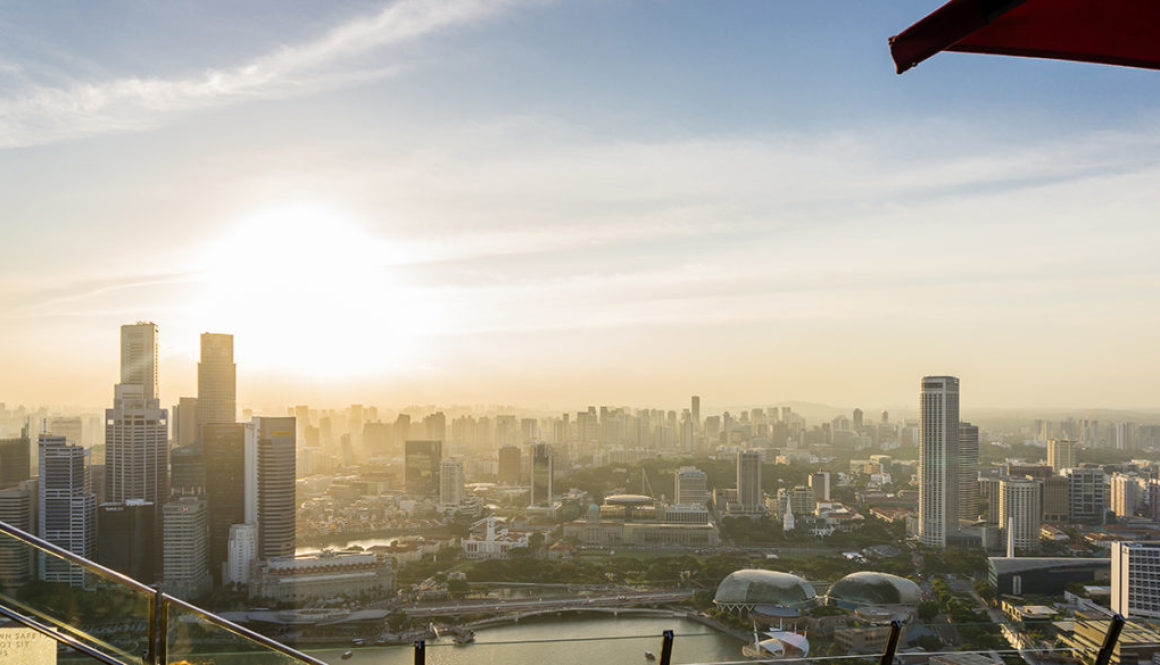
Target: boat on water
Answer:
[[347, 654], [648, 655]]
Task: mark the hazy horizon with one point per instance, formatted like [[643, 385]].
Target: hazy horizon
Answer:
[[562, 203]]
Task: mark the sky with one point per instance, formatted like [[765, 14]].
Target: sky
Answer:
[[569, 202]]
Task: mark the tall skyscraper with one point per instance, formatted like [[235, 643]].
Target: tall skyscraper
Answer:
[[217, 381], [938, 461], [183, 422], [422, 467], [509, 465], [450, 482], [224, 450], [1019, 512], [271, 484], [541, 474], [1136, 579], [186, 537], [139, 357], [1060, 454], [136, 447], [125, 539], [690, 487], [15, 556], [66, 513], [15, 459], [989, 493], [968, 472], [749, 481], [187, 471], [696, 411]]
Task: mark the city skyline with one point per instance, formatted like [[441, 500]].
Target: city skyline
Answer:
[[485, 203]]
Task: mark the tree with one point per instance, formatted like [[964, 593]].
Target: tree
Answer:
[[457, 587], [928, 610]]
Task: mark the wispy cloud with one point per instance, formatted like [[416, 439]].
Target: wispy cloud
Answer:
[[48, 114]]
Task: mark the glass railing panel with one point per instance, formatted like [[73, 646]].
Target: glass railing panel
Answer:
[[100, 609], [192, 638]]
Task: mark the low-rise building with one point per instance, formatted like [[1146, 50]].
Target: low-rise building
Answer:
[[489, 541], [323, 575]]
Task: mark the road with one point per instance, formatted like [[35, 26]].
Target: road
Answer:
[[489, 606]]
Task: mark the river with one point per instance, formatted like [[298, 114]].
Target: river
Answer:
[[571, 641]]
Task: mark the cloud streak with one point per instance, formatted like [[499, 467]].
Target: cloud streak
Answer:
[[50, 114]]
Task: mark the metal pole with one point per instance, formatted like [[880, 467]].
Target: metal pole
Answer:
[[420, 653], [666, 647], [162, 629], [1110, 639], [892, 643], [151, 651]]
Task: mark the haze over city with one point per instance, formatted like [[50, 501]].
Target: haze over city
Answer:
[[555, 204]]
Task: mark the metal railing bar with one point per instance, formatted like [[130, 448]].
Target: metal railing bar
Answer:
[[239, 630], [61, 625], [74, 558], [60, 638]]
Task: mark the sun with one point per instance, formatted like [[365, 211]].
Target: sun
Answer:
[[307, 290]]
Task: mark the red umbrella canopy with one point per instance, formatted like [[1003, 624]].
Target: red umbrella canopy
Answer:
[[1114, 32]]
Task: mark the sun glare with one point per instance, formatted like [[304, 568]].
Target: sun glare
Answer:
[[309, 291]]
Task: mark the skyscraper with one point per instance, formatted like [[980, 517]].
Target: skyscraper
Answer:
[[422, 467], [696, 411], [125, 539], [1060, 454], [820, 483], [938, 461], [66, 513], [541, 475], [272, 481], [224, 448], [1136, 579], [136, 447], [749, 481], [217, 382], [1087, 495], [15, 459], [1019, 512], [183, 421], [509, 465], [15, 556], [139, 358], [186, 558], [450, 482], [690, 487], [968, 471]]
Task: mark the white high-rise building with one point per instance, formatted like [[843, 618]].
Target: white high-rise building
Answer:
[[691, 487], [1125, 494], [938, 461], [749, 493], [139, 357], [243, 551], [1019, 512], [1060, 454], [968, 472], [66, 510], [450, 482], [1136, 579]]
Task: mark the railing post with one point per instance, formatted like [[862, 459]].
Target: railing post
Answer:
[[151, 648], [892, 643], [1110, 639], [162, 630], [666, 647], [420, 653]]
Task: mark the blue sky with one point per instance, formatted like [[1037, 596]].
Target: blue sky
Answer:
[[569, 202]]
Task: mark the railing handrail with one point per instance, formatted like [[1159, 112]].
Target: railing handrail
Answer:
[[240, 630], [75, 558], [61, 638], [161, 601]]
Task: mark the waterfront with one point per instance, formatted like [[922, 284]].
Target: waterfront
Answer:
[[534, 642]]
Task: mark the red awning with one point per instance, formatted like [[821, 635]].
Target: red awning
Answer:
[[1114, 32]]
